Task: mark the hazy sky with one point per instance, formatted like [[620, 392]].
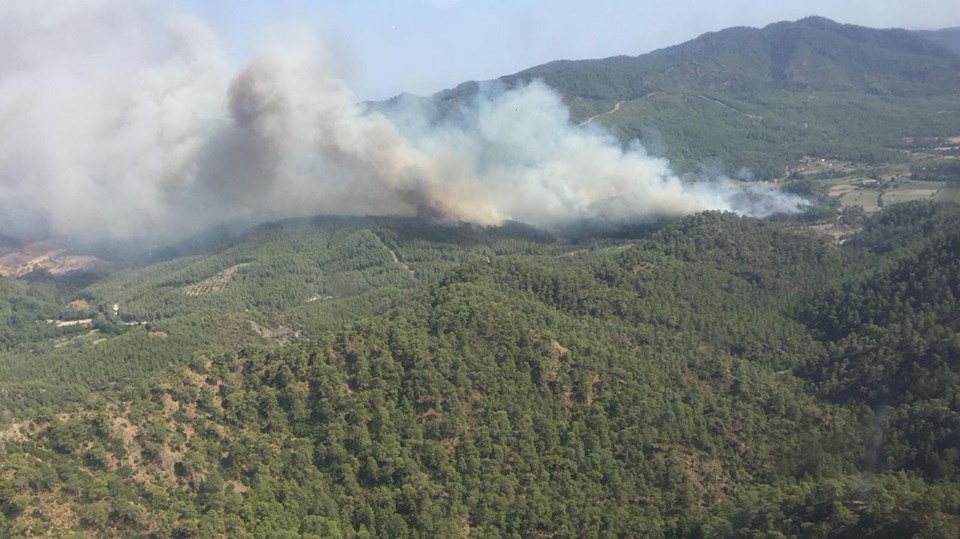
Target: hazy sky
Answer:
[[422, 46]]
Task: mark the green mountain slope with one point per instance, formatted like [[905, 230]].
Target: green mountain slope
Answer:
[[712, 376], [277, 282], [759, 98], [948, 38], [893, 344], [812, 54], [692, 382]]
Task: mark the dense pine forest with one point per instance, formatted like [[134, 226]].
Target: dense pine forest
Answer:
[[708, 376], [714, 376]]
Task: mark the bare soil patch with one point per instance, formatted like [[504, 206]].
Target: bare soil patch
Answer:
[[44, 256]]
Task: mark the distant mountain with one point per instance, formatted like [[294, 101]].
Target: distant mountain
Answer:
[[760, 98], [810, 54], [947, 37]]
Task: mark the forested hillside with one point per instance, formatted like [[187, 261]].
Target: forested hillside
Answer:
[[948, 38], [708, 376], [715, 376], [759, 99], [809, 54], [277, 282]]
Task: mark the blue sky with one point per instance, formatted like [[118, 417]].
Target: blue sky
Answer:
[[422, 46]]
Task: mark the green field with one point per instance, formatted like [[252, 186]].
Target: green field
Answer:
[[867, 198], [948, 194]]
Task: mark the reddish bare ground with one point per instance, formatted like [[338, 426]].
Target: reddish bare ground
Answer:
[[44, 255]]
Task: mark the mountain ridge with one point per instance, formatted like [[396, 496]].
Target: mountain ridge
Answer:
[[946, 37], [754, 99], [779, 37]]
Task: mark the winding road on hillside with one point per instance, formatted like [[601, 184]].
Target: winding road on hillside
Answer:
[[615, 108], [618, 104], [728, 107]]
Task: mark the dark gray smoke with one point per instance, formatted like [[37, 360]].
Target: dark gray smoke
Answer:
[[120, 120]]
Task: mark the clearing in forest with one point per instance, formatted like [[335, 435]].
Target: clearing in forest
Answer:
[[212, 285]]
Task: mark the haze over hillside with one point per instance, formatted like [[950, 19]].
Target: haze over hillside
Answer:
[[806, 55], [757, 99], [427, 366], [162, 137], [946, 37], [809, 54]]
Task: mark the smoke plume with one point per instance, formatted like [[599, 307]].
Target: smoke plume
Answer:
[[120, 120]]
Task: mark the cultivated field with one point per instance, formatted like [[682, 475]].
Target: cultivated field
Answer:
[[858, 184], [212, 285]]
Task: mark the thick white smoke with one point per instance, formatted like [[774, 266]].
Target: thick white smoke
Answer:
[[119, 120]]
